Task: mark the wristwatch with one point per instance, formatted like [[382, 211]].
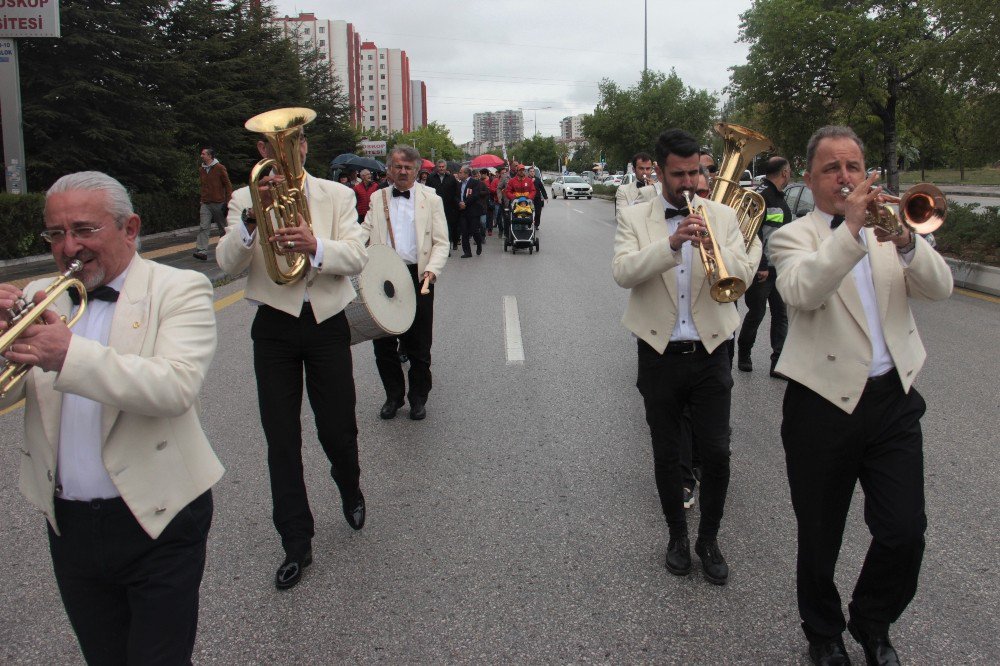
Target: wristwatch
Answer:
[[909, 247], [247, 217]]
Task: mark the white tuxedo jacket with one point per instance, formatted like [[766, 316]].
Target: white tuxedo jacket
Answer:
[[644, 263], [335, 225], [431, 227], [148, 378], [628, 195], [828, 347]]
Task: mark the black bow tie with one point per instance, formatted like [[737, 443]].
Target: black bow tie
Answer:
[[674, 212], [397, 193], [102, 293], [836, 221]]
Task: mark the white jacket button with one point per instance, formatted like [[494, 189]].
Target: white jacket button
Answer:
[[831, 357]]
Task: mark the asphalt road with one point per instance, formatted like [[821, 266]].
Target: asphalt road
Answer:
[[519, 523]]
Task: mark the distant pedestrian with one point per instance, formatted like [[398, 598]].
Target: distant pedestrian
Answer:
[[363, 191], [422, 177], [540, 194], [470, 203], [215, 193], [447, 188]]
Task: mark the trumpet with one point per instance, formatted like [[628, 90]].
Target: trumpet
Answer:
[[725, 288], [25, 313], [923, 208]]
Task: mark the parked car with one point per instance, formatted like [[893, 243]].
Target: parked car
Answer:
[[746, 180], [571, 186], [800, 199]]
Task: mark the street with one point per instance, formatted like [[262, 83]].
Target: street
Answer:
[[519, 523]]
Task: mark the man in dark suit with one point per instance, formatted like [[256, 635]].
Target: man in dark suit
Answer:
[[446, 187], [471, 201]]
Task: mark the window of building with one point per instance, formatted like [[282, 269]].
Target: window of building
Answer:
[[305, 31], [382, 66], [381, 56], [322, 29], [382, 76], [383, 107], [371, 118], [369, 56], [371, 87], [383, 117], [382, 87], [322, 42], [371, 77]]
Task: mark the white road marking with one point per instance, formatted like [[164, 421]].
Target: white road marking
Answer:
[[512, 332]]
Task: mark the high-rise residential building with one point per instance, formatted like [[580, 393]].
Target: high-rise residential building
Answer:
[[571, 127], [418, 104], [498, 126], [375, 80]]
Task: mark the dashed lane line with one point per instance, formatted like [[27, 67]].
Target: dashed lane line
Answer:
[[512, 332]]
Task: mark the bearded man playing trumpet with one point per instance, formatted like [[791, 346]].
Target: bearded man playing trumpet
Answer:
[[681, 328], [850, 410]]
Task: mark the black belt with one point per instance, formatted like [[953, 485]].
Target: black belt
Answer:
[[884, 378], [684, 347]]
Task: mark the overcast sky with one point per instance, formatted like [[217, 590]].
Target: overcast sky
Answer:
[[504, 54]]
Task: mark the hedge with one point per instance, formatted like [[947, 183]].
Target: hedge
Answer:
[[21, 219], [970, 235]]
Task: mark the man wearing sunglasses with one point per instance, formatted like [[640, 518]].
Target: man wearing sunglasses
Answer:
[[114, 454]]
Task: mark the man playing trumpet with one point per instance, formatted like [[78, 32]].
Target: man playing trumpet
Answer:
[[682, 361], [850, 411]]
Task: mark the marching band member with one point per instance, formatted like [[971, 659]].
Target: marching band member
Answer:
[[300, 327], [642, 189], [114, 454], [682, 358], [411, 218], [850, 411]]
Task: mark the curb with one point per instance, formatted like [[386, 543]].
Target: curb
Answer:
[[42, 258], [977, 277]]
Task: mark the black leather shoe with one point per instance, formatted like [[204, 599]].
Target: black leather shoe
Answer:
[[465, 256], [479, 249], [712, 561], [291, 569], [417, 411], [390, 408], [745, 364], [354, 511], [679, 556], [829, 653], [200, 255], [878, 649]]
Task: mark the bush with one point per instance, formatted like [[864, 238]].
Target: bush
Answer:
[[969, 235], [21, 219], [607, 190]]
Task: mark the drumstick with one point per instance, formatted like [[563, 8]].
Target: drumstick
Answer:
[[425, 289]]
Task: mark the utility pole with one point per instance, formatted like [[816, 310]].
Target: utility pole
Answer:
[[645, 35]]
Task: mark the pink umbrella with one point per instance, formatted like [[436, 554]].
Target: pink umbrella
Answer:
[[486, 161], [427, 165]]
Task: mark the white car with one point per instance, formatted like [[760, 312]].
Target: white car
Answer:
[[571, 186], [616, 180]]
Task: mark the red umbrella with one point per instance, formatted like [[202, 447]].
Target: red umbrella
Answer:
[[486, 161], [427, 165]]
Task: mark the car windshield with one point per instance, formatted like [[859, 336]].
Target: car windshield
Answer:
[[574, 179]]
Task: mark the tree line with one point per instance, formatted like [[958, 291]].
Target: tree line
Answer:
[[916, 79], [136, 88]]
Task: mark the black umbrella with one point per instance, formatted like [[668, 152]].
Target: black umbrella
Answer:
[[352, 161], [453, 166]]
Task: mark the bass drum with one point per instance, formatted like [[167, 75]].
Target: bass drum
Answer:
[[387, 300]]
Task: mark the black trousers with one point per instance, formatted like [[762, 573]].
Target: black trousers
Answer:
[[417, 343], [826, 452], [284, 346], [453, 217], [472, 227], [131, 599], [539, 203], [757, 297], [703, 383]]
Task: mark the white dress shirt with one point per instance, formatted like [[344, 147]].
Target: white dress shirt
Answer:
[[862, 275], [404, 229], [684, 328], [81, 471]]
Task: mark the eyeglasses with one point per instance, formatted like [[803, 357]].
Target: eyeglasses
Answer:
[[53, 236]]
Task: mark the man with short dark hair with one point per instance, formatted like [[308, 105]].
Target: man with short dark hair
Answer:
[[683, 361], [215, 193], [411, 219], [850, 411], [114, 453], [637, 192], [446, 186], [761, 293]]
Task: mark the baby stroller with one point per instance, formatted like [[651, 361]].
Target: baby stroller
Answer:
[[521, 233]]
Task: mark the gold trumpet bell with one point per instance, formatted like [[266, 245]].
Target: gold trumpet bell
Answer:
[[924, 208], [728, 290]]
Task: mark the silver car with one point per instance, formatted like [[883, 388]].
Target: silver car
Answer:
[[571, 186]]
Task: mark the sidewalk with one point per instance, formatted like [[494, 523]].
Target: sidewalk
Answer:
[[174, 248]]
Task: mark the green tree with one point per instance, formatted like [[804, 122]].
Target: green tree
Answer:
[[817, 61], [91, 100], [538, 150], [434, 137], [628, 120], [583, 158]]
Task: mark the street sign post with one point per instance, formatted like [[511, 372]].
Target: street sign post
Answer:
[[23, 18]]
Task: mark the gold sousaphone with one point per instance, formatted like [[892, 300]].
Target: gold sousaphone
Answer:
[[283, 130]]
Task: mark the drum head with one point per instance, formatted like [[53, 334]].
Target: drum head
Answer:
[[387, 289]]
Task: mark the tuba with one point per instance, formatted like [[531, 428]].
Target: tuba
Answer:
[[25, 313], [922, 208], [741, 145], [283, 130], [725, 288]]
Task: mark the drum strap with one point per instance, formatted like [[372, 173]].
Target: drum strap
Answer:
[[388, 222]]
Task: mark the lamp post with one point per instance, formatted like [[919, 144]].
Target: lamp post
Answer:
[[535, 117]]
